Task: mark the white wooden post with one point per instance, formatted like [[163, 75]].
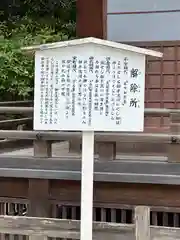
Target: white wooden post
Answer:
[[87, 185], [142, 222]]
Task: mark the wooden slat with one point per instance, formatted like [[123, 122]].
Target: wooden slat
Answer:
[[3, 200], [94, 214], [103, 214], [59, 228], [165, 209], [165, 233], [123, 215], [165, 219], [73, 213], [154, 218], [113, 215], [54, 210], [176, 219], [64, 212]]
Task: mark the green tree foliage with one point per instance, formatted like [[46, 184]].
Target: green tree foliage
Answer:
[[28, 22]]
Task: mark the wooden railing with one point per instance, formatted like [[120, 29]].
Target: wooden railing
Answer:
[[15, 122], [69, 229], [106, 142], [17, 103]]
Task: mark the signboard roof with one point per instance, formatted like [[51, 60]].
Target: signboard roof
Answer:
[[95, 41]]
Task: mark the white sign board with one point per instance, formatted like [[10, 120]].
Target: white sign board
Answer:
[[89, 88]]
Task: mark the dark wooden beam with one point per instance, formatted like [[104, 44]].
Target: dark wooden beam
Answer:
[[110, 171]]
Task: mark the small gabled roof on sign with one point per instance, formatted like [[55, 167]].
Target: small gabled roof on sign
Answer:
[[96, 41]]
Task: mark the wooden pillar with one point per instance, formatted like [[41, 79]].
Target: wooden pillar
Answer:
[[174, 146], [42, 149], [75, 146], [91, 18], [106, 151], [39, 188]]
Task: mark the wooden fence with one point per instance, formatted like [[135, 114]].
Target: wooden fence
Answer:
[[41, 228], [105, 143], [39, 185]]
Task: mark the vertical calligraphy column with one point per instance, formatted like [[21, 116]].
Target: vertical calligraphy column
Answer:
[[81, 80], [46, 109], [101, 71], [84, 89], [126, 68], [68, 88], [104, 84], [51, 91], [107, 90], [134, 88], [91, 89], [113, 91], [63, 78], [96, 105], [118, 94], [42, 89], [74, 79], [56, 93]]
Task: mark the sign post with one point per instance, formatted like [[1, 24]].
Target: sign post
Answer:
[[87, 173], [89, 85]]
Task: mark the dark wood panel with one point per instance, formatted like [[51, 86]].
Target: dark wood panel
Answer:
[[13, 187], [162, 80], [117, 193], [104, 193], [66, 191], [38, 195]]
